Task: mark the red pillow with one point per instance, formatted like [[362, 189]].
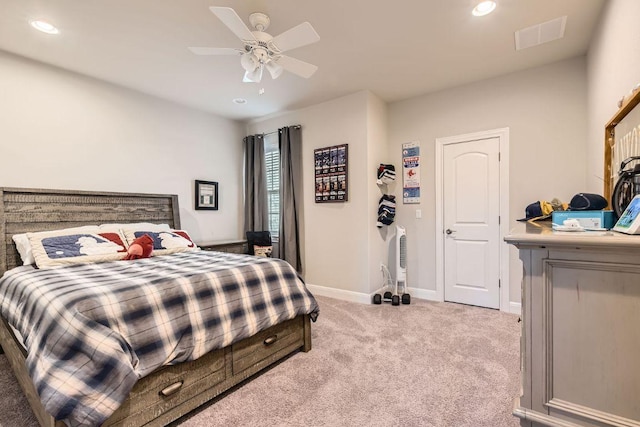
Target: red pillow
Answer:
[[140, 248]]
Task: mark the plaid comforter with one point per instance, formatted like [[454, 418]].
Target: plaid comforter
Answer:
[[92, 330]]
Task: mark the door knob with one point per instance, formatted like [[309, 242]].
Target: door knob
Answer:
[[449, 231]]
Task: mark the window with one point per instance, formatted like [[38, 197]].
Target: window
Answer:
[[272, 160]]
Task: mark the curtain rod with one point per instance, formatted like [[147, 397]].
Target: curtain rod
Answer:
[[276, 131]]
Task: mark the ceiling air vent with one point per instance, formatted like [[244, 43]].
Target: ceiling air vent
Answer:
[[540, 33]]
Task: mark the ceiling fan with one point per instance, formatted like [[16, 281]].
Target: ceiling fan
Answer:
[[261, 50]]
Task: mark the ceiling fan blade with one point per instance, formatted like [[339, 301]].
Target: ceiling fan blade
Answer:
[[230, 18], [215, 51], [295, 66], [300, 35]]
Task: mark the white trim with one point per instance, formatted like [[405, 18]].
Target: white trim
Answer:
[[340, 294], [503, 135], [515, 308], [428, 294], [363, 298]]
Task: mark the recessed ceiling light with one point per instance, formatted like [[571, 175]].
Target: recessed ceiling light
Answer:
[[484, 8], [240, 101], [44, 26]]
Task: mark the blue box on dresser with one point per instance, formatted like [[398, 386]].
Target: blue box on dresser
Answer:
[[587, 219]]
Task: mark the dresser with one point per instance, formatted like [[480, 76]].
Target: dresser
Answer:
[[232, 246], [580, 341]]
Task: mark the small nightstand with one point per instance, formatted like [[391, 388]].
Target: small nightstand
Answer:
[[231, 246]]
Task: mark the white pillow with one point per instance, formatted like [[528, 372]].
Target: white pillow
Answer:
[[56, 248], [24, 246], [26, 253], [164, 241]]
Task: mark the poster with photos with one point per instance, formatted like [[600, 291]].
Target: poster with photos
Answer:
[[331, 180], [411, 172]]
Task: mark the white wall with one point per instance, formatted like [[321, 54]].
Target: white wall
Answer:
[[337, 246], [613, 70], [545, 110], [63, 130], [379, 238]]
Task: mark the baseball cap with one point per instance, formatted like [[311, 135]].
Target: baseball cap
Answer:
[[587, 202], [542, 209]]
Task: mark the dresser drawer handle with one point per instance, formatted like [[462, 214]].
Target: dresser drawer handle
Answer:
[[270, 340], [168, 391]]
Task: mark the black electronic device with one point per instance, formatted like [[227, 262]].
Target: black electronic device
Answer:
[[627, 187]]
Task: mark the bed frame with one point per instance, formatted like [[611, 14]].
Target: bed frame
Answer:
[[170, 392]]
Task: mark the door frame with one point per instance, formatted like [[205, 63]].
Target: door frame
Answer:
[[503, 136]]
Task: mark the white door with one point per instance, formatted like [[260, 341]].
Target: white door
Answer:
[[471, 210]]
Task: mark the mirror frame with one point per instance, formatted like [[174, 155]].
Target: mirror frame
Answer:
[[609, 139]]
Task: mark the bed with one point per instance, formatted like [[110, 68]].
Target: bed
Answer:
[[169, 392]]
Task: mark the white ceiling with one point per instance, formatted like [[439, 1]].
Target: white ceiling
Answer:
[[395, 49]]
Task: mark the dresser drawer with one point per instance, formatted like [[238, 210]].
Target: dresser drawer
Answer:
[[266, 343], [170, 386]]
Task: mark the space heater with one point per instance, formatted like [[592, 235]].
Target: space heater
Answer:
[[395, 292]]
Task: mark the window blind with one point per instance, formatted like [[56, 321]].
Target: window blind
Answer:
[[272, 161]]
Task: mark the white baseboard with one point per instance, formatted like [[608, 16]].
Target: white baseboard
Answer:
[[428, 294], [341, 294], [363, 298], [515, 308]]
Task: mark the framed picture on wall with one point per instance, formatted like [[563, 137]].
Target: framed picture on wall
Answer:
[[206, 195], [331, 183]]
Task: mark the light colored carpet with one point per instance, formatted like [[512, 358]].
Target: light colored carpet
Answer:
[[425, 364]]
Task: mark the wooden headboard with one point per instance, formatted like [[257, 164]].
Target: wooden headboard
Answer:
[[28, 210]]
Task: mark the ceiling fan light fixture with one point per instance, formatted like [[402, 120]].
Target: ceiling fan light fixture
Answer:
[[260, 49], [484, 8], [253, 76], [274, 69], [249, 62]]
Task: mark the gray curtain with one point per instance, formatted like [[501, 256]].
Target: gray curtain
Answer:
[[255, 184], [290, 140]]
